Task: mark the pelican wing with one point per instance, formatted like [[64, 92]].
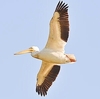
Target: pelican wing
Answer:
[[59, 28], [46, 76]]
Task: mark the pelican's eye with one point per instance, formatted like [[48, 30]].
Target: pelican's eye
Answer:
[[30, 48]]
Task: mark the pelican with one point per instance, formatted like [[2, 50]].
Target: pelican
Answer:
[[53, 53]]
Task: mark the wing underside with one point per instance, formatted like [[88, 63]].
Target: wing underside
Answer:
[[46, 76], [59, 28]]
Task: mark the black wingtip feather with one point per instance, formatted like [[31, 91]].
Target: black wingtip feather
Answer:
[[61, 6], [62, 9]]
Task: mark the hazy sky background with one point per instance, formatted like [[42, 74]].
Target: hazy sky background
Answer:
[[24, 23]]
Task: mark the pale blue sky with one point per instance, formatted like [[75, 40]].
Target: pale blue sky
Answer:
[[24, 23]]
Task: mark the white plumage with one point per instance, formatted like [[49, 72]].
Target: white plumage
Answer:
[[53, 54]]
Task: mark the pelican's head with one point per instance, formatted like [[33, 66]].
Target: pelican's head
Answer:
[[30, 50]]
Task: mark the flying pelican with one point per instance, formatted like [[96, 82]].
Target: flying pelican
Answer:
[[53, 54]]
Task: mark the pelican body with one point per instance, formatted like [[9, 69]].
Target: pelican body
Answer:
[[53, 53], [52, 56]]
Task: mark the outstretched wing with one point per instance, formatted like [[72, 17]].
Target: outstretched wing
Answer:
[[46, 76], [59, 28]]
